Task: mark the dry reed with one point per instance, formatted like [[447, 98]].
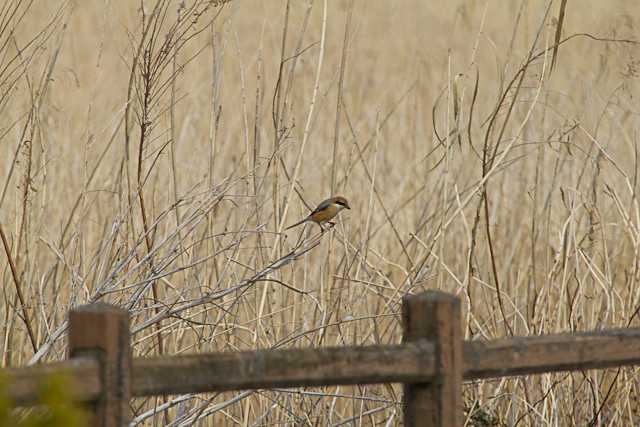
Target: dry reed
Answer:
[[154, 153]]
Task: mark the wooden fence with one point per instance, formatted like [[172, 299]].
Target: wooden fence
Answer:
[[432, 362]]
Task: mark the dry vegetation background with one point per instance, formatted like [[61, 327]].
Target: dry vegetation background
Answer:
[[152, 153]]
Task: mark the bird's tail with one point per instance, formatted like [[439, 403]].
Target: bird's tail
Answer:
[[298, 223]]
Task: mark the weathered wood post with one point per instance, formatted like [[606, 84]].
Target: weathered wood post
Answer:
[[102, 331], [435, 316]]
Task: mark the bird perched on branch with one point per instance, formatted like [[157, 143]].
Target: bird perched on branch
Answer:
[[325, 212]]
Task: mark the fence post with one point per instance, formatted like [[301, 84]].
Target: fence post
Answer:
[[102, 331], [435, 316]]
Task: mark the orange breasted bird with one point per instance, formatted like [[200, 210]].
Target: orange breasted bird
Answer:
[[325, 212]]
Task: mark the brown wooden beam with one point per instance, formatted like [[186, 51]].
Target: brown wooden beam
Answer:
[[394, 363], [83, 375], [551, 353], [282, 368], [413, 362]]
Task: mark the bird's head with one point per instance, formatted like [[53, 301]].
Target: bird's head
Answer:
[[341, 202]]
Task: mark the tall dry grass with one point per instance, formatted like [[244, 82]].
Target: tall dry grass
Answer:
[[154, 152]]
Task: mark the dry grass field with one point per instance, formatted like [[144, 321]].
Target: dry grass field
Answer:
[[154, 152]]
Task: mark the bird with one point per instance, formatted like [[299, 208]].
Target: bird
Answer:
[[325, 212]]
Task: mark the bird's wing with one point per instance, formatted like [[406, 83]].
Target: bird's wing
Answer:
[[323, 205]]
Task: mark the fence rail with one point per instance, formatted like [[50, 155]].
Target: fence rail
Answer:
[[432, 362]]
